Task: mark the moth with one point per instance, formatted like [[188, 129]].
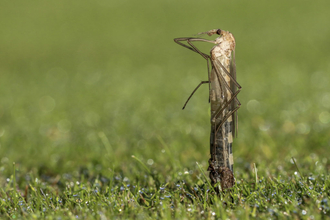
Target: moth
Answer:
[[223, 91]]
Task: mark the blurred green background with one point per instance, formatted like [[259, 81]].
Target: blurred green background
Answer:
[[86, 84]]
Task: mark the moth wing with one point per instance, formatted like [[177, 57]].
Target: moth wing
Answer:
[[234, 88]]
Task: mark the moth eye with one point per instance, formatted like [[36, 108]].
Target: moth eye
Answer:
[[218, 31]]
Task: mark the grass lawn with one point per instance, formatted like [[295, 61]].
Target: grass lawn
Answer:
[[91, 125]]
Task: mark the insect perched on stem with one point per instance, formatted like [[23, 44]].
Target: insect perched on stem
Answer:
[[223, 90]]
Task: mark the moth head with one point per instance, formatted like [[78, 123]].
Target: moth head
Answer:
[[214, 31], [211, 32]]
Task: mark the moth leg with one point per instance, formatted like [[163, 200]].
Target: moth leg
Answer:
[[231, 90], [221, 109], [194, 92], [192, 47], [234, 96], [205, 56], [227, 116], [229, 75], [223, 81]]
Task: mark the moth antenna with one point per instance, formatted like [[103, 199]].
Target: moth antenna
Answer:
[[201, 33]]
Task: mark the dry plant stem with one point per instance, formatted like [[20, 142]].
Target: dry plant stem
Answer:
[[223, 91]]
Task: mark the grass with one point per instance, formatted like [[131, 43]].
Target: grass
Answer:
[[149, 195], [85, 85]]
